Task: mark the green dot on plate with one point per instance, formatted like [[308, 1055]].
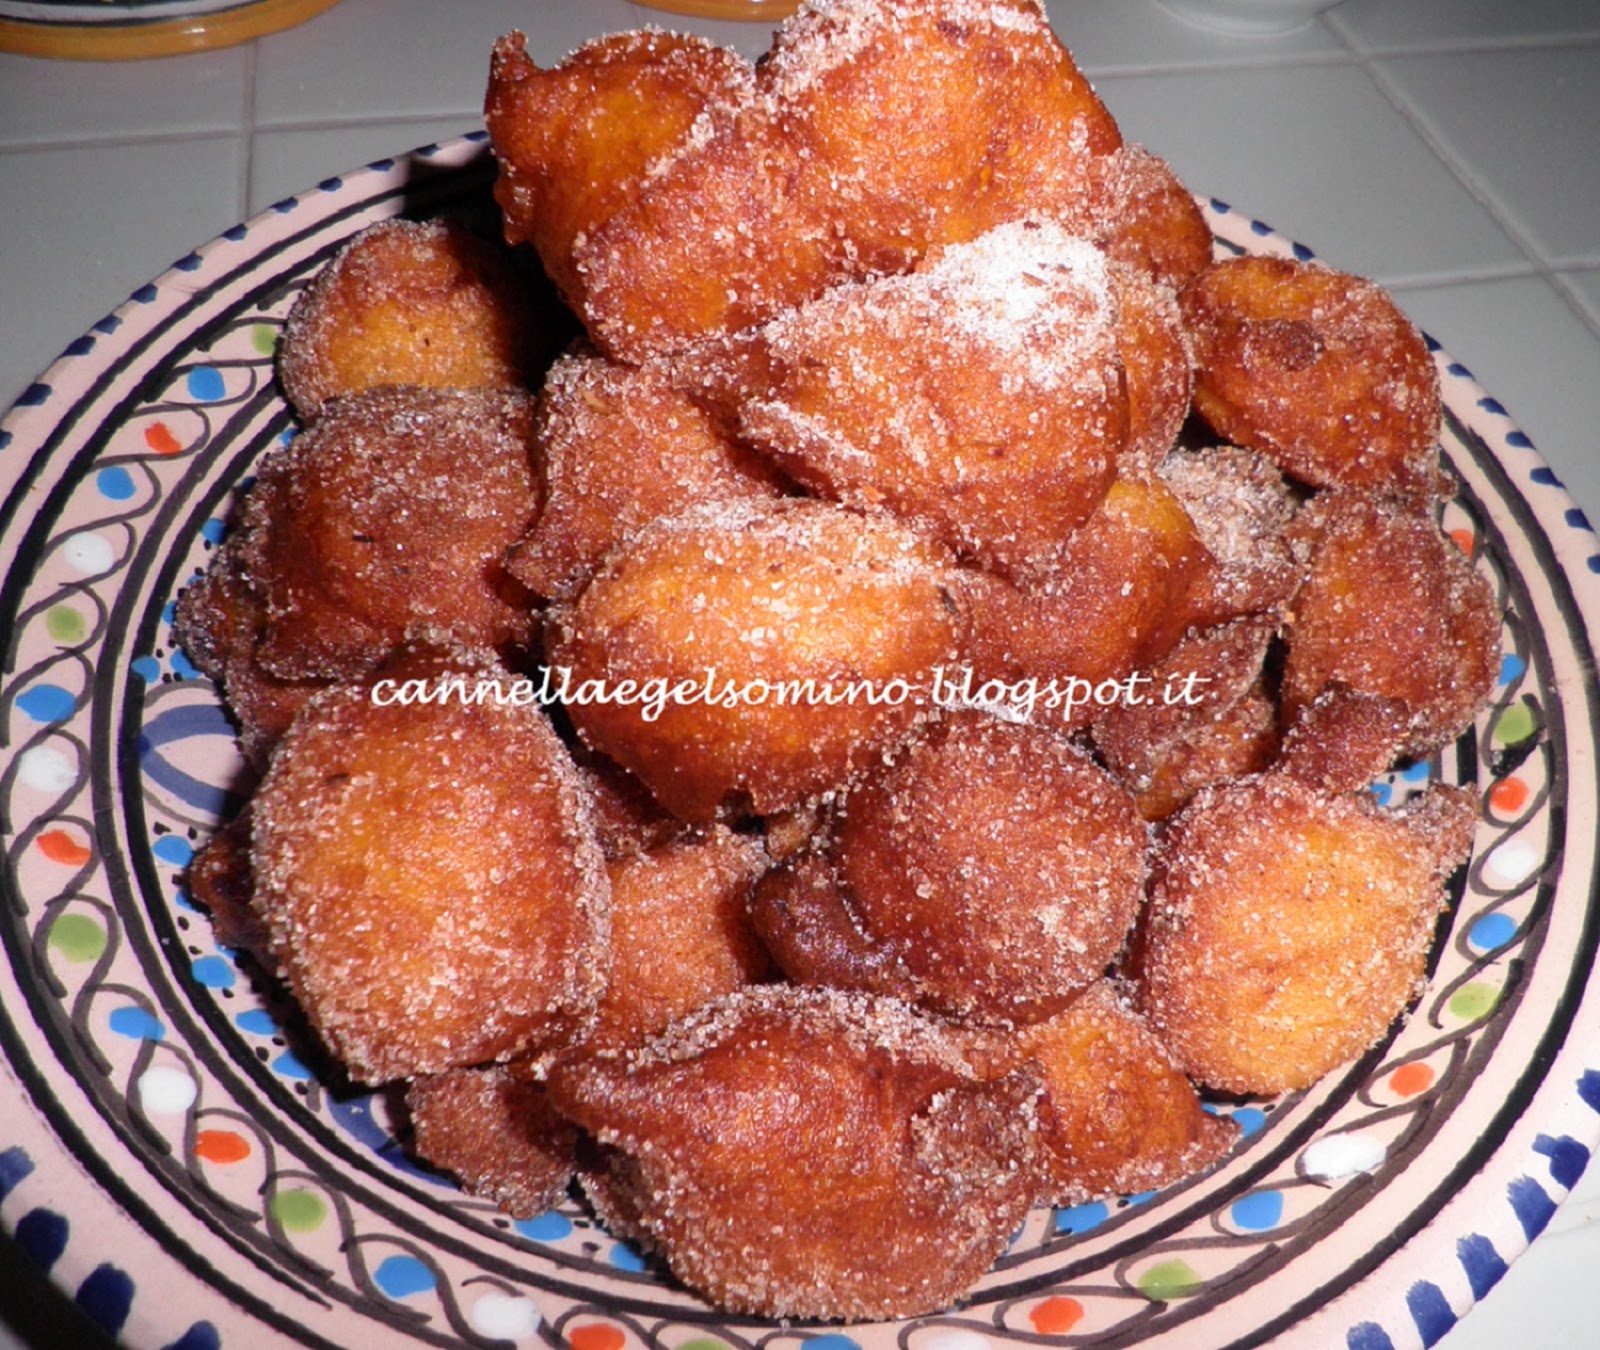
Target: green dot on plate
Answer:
[[264, 338], [1515, 725], [1473, 1001], [65, 624], [299, 1211], [78, 937], [1169, 1280]]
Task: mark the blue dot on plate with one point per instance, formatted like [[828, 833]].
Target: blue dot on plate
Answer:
[[205, 384], [106, 1294], [136, 1024], [1417, 772], [115, 483], [1258, 1212], [1492, 932], [549, 1227], [1512, 668], [832, 1341], [42, 1234], [201, 1336], [1381, 793], [1081, 1218], [399, 1276], [47, 703], [624, 1257], [287, 1065], [147, 668], [184, 668], [1249, 1119], [214, 972], [174, 849], [257, 1022], [213, 531]]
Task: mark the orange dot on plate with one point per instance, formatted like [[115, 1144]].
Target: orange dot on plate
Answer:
[[1410, 1079], [1465, 540], [61, 847], [1508, 796], [1056, 1315], [221, 1146], [158, 436], [595, 1336]]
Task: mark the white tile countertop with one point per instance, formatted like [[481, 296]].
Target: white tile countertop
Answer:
[[1449, 149]]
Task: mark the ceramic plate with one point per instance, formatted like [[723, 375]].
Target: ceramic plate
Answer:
[[169, 1154]]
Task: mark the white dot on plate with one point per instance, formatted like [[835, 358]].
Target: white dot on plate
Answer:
[[954, 1340], [46, 770], [1510, 864], [90, 554], [504, 1317], [166, 1091], [1343, 1155]]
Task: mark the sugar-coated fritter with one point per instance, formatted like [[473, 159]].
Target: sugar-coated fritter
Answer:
[[979, 398], [918, 124], [494, 1128], [1288, 926], [410, 302], [680, 933], [1123, 594], [1207, 718], [618, 446], [1119, 1117], [1319, 370], [391, 513], [429, 873], [1391, 606], [809, 1153], [783, 645], [1144, 217], [1344, 740], [1154, 354], [1241, 509], [577, 143], [997, 866], [220, 622]]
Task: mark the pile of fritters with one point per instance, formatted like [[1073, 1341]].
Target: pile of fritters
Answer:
[[963, 618]]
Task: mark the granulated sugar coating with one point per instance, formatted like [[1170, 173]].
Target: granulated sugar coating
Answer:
[[915, 1171], [952, 760]]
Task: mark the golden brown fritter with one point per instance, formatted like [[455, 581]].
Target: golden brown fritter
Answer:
[[680, 933], [1144, 217], [1207, 717], [1123, 594], [410, 302], [494, 1128], [1318, 370], [1119, 1117], [1288, 927], [1391, 607], [391, 513], [979, 398], [1154, 353], [429, 873], [220, 622], [577, 143], [618, 446], [808, 1153], [999, 865], [770, 650]]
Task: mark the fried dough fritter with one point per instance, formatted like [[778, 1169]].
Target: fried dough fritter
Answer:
[[1288, 927], [1318, 370], [414, 303], [391, 513], [486, 935], [577, 143], [979, 398], [680, 933], [1119, 1116], [495, 1129], [989, 873], [787, 642], [619, 446], [1143, 216], [809, 1153], [1391, 606]]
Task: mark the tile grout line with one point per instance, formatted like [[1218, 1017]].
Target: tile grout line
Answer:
[[1368, 59]]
